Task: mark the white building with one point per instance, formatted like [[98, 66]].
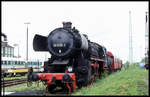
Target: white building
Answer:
[[6, 50]]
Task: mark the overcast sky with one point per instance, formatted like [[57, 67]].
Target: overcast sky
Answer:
[[106, 23]]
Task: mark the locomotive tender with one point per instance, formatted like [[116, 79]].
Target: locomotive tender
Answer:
[[75, 60]]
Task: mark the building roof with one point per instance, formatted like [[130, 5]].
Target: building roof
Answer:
[[5, 44]]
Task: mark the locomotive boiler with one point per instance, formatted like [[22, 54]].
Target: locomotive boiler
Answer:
[[61, 42]]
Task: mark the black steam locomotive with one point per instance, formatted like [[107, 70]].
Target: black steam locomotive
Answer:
[[72, 53]]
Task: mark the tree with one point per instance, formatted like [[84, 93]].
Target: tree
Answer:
[[126, 65], [143, 60]]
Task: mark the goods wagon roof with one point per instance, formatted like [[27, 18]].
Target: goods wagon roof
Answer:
[[110, 54]]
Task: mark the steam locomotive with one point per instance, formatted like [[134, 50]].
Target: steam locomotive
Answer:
[[75, 60]]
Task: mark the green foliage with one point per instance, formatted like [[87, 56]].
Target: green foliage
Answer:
[[143, 60], [23, 87], [126, 82], [104, 74], [126, 65], [17, 77]]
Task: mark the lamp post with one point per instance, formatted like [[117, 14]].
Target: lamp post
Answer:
[[130, 40], [18, 49], [27, 40]]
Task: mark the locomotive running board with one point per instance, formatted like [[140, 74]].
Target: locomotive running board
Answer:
[[97, 59], [62, 62]]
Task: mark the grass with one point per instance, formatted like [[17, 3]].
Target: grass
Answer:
[[33, 87], [131, 81], [23, 87], [16, 77]]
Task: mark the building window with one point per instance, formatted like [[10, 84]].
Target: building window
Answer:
[[12, 52], [3, 51], [15, 62], [8, 62], [21, 62], [7, 51], [5, 62]]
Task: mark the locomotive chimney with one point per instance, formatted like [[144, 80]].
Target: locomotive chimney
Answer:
[[67, 25], [5, 36]]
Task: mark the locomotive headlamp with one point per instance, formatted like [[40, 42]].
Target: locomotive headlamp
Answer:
[[70, 68], [66, 78]]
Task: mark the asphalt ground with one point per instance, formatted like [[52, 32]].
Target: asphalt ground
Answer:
[[34, 93], [24, 93]]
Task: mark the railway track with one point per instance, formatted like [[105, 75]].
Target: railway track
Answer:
[[7, 83]]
